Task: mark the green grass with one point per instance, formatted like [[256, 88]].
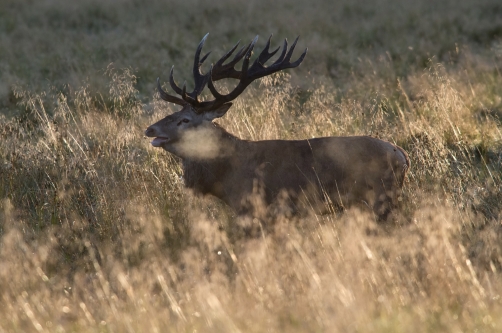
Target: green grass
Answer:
[[98, 234]]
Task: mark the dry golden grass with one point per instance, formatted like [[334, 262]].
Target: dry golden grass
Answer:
[[97, 233]]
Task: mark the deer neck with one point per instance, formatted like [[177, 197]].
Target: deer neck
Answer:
[[204, 173], [205, 143]]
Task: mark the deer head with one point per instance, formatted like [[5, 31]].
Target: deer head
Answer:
[[196, 113]]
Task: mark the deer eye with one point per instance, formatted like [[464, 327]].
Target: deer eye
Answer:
[[183, 120]]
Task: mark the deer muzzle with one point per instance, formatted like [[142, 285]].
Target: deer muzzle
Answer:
[[159, 141]]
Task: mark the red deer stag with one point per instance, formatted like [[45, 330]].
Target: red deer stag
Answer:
[[319, 173]]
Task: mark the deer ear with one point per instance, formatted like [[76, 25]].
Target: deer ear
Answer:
[[217, 113]]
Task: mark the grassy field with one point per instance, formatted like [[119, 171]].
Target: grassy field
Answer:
[[97, 233]]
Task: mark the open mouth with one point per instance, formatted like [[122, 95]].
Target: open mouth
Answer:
[[159, 141]]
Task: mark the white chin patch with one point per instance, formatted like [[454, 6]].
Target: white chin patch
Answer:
[[158, 142]]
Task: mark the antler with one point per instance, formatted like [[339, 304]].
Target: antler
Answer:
[[224, 71], [191, 98], [248, 74]]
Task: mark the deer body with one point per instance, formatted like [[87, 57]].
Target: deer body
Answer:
[[313, 173], [303, 174]]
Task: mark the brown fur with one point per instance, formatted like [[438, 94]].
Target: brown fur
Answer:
[[319, 173]]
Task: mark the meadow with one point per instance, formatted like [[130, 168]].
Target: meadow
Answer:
[[98, 234]]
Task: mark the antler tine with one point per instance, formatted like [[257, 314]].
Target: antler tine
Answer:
[[169, 98], [245, 62], [283, 53], [184, 94], [300, 59], [229, 53], [198, 51], [204, 58], [245, 50], [212, 88], [173, 84], [225, 71], [242, 52], [265, 55], [188, 98], [199, 78], [291, 49]]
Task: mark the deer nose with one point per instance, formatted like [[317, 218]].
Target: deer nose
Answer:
[[149, 131]]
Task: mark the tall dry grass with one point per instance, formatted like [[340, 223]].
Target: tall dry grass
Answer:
[[98, 234]]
